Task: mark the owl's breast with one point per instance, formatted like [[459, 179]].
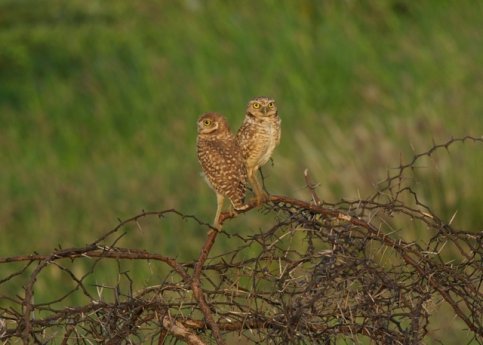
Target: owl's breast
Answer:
[[267, 139]]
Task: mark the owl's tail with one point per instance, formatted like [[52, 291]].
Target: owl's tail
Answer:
[[239, 204]]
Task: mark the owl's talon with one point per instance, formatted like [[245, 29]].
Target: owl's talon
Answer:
[[258, 200], [261, 199]]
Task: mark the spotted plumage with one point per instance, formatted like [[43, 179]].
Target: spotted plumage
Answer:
[[221, 161], [257, 137]]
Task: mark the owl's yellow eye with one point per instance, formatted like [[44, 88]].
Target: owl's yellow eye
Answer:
[[271, 105], [206, 123], [256, 105]]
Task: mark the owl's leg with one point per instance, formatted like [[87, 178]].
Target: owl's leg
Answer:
[[260, 194], [219, 205]]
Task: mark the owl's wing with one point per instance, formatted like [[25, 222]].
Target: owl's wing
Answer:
[[245, 138], [223, 160]]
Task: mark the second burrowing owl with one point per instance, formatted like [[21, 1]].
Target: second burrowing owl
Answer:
[[222, 161], [258, 136]]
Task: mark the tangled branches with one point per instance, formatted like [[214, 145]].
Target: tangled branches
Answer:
[[318, 273]]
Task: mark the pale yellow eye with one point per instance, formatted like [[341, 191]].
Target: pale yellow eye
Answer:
[[256, 105], [206, 123], [271, 105]]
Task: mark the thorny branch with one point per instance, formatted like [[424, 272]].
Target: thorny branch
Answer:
[[318, 272]]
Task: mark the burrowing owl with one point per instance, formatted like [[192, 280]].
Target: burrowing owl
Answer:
[[222, 161], [258, 136]]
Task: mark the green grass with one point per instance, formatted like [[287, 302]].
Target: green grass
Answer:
[[98, 103]]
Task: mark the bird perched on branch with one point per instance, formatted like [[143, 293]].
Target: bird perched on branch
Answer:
[[258, 136], [222, 162]]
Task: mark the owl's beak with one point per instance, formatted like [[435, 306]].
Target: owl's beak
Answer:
[[265, 110]]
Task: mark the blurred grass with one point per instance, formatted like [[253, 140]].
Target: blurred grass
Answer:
[[98, 102]]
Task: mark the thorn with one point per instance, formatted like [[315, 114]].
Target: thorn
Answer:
[[453, 217]]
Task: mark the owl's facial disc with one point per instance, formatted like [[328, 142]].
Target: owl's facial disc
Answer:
[[207, 125], [262, 107]]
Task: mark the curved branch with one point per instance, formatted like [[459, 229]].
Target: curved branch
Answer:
[[196, 286]]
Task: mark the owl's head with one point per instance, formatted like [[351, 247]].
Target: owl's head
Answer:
[[213, 124], [262, 107]]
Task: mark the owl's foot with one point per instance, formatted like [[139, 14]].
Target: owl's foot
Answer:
[[262, 198]]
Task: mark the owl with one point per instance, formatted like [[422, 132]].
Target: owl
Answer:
[[221, 161], [258, 136]]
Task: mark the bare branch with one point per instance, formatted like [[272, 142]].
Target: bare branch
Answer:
[[180, 331]]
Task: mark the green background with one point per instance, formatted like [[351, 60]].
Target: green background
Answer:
[[99, 101]]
